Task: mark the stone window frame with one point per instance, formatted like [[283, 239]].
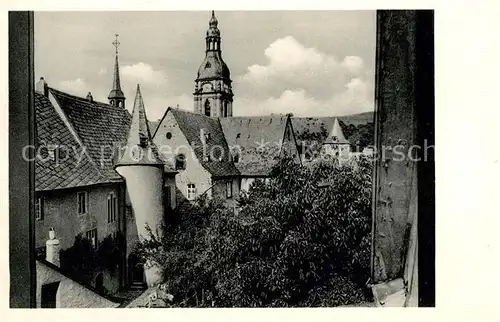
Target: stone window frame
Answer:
[[40, 208], [85, 203], [112, 206], [91, 235], [229, 189], [191, 191]]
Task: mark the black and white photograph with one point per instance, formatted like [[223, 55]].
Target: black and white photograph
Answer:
[[221, 159]]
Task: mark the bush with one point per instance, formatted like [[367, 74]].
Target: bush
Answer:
[[295, 240], [81, 261]]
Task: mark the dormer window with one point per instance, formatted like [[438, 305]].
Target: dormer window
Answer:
[[334, 138], [208, 65]]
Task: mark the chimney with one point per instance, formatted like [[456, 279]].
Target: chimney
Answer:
[[203, 136], [42, 87], [89, 97], [52, 248]]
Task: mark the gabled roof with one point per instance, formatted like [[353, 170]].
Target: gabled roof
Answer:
[[258, 140], [74, 169], [191, 124], [102, 128]]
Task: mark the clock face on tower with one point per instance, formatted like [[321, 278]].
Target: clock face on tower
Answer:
[[207, 87]]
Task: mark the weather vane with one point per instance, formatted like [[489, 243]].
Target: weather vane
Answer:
[[116, 43]]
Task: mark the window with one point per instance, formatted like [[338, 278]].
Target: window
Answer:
[[224, 109], [334, 138], [236, 157], [207, 108], [180, 162], [91, 235], [82, 202], [112, 204], [168, 135], [208, 65], [191, 191], [229, 189], [39, 208]]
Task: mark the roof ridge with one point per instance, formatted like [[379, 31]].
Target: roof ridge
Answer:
[[78, 97]]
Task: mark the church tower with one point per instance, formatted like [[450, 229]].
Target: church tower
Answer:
[[116, 97], [213, 95]]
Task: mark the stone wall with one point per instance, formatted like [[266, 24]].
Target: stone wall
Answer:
[[70, 294]]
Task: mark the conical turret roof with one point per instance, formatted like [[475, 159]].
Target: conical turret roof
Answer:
[[336, 135], [140, 148]]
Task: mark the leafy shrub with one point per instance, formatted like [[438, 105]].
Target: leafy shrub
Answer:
[[301, 238]]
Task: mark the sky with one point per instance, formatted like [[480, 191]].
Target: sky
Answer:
[[309, 63]]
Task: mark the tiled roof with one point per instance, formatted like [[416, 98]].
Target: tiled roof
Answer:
[[302, 125], [73, 169], [191, 124], [258, 140], [102, 128]]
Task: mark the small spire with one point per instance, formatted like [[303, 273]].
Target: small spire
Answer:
[[116, 91]]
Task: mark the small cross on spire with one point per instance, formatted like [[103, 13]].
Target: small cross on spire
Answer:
[[116, 43]]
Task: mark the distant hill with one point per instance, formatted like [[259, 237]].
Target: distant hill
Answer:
[[357, 119]]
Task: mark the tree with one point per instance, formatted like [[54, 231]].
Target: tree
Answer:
[[300, 239]]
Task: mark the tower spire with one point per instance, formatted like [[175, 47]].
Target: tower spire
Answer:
[[213, 77], [116, 96]]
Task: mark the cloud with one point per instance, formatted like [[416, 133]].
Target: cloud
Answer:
[[143, 73], [356, 98], [304, 81], [76, 87], [156, 105]]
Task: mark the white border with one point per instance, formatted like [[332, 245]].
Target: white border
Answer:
[[467, 167]]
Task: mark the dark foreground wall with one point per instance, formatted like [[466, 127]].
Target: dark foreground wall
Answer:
[[404, 129], [21, 172]]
